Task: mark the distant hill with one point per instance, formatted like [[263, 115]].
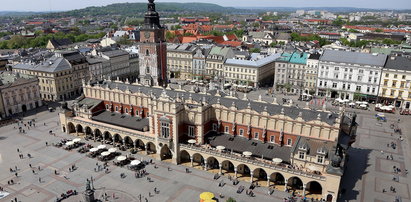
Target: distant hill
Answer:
[[128, 9], [18, 13]]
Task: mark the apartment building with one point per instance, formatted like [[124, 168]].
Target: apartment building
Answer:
[[350, 75]]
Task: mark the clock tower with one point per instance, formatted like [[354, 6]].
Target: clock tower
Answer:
[[153, 49]]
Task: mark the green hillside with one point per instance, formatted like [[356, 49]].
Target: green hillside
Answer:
[[129, 9]]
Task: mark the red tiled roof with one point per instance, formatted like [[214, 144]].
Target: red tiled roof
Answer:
[[35, 23], [232, 43]]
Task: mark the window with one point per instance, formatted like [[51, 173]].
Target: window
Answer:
[[334, 85], [387, 75], [403, 76], [336, 68], [321, 83], [215, 127], [106, 106], [116, 109], [349, 77], [165, 129], [395, 76], [343, 86], [226, 129], [191, 131], [320, 159], [241, 132], [289, 142], [361, 71], [336, 76], [358, 88], [373, 90], [392, 92], [272, 139], [359, 78], [256, 135], [301, 155], [147, 52], [368, 89]]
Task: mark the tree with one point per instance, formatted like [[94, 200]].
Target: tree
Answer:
[[378, 30], [170, 35], [16, 42], [231, 200], [255, 50]]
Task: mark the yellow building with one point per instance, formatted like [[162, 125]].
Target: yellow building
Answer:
[[396, 82], [60, 77]]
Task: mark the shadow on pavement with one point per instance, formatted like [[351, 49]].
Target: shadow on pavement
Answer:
[[355, 169]]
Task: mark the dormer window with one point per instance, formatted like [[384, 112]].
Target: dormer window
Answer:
[[303, 147], [321, 150]]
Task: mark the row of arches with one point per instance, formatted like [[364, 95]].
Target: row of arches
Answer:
[[118, 140], [277, 180], [259, 175]]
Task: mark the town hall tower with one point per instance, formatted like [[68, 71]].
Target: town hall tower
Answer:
[[153, 49]]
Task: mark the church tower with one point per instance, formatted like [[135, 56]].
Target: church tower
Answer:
[[153, 49]]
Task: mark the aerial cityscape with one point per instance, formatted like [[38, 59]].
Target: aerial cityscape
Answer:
[[207, 101]]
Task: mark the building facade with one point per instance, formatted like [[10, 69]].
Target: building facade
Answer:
[[180, 60], [396, 82], [310, 75], [60, 77], [254, 72], [350, 75], [18, 93]]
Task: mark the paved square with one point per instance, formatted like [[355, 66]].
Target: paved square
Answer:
[[175, 185]]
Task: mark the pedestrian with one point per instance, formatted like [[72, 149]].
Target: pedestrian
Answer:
[[39, 168], [155, 190], [33, 171], [39, 179], [18, 150], [114, 196], [30, 165], [44, 123], [47, 144], [29, 155], [16, 174]]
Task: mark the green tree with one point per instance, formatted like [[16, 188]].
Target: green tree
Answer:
[[17, 42], [378, 30], [170, 35], [255, 50], [231, 200]]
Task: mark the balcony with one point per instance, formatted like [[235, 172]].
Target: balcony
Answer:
[[258, 162]]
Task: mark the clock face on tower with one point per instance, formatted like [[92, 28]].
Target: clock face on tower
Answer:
[[147, 34]]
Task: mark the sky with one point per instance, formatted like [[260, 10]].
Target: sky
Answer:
[[62, 5]]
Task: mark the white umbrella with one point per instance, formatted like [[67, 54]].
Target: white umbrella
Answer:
[[111, 150], [77, 140], [69, 143], [121, 158], [338, 100], [247, 153], [105, 153], [192, 141], [363, 105], [101, 146], [93, 149], [135, 162], [277, 160], [346, 100], [220, 147], [351, 104], [358, 102]]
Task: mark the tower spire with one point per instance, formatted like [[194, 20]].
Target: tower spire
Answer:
[[152, 18]]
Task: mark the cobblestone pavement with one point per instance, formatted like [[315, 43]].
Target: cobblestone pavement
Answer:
[[175, 185]]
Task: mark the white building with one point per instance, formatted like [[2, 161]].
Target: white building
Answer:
[[350, 75]]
